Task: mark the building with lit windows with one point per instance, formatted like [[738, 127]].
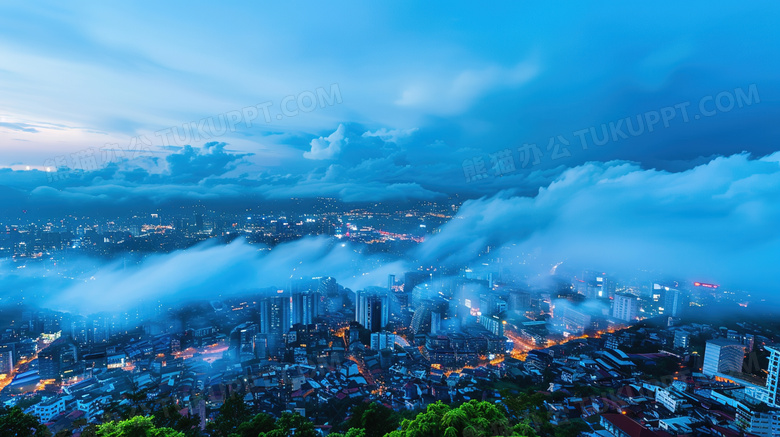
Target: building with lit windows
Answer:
[[682, 339], [55, 358], [722, 357], [372, 308], [382, 340], [625, 307], [773, 376], [493, 323]]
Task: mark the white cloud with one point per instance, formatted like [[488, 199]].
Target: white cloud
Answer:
[[390, 135], [171, 277], [327, 148], [715, 222], [453, 95]]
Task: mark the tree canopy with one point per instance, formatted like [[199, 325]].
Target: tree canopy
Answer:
[[472, 419], [520, 415], [374, 419], [233, 412], [16, 423], [138, 426]]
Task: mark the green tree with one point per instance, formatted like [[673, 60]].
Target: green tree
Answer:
[[90, 431], [524, 402], [168, 416], [291, 424], [136, 398], [524, 429], [113, 410], [233, 412], [477, 419], [16, 423], [571, 429], [472, 419], [138, 426], [261, 423], [425, 424], [27, 402], [354, 432], [376, 419]]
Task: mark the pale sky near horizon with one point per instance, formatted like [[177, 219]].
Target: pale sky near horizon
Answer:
[[81, 75]]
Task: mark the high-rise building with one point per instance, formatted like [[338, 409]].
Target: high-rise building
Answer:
[[491, 304], [79, 330], [773, 375], [674, 303], [749, 341], [382, 340], [420, 294], [372, 308], [625, 307], [439, 309], [50, 323], [56, 358], [722, 356], [331, 300], [6, 358], [100, 329], [595, 285], [306, 302], [493, 323], [275, 320], [681, 339], [261, 346], [304, 307], [519, 300], [421, 320], [274, 315], [429, 316], [328, 286], [242, 340], [399, 306], [757, 419], [570, 318]]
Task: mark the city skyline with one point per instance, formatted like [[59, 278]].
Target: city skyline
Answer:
[[644, 159], [389, 220]]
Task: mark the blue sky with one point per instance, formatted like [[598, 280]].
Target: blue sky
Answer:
[[422, 89], [425, 91]]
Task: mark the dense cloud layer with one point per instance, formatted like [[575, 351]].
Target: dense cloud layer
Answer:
[[433, 105], [209, 271], [351, 164], [715, 222]]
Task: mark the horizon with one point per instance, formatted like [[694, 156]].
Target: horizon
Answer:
[[265, 219]]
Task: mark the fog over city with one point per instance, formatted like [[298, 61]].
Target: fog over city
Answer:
[[714, 222], [389, 219]]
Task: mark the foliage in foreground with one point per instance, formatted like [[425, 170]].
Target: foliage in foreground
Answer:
[[370, 419], [16, 423], [138, 426], [472, 419]]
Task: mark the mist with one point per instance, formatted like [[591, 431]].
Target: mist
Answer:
[[208, 271], [715, 222]]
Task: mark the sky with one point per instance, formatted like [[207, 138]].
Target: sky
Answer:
[[371, 102], [632, 127]]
